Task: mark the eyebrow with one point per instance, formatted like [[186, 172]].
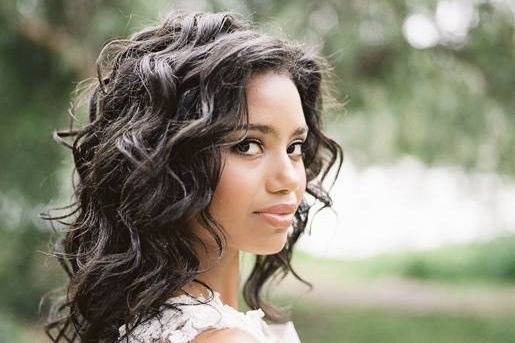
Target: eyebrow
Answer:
[[266, 129]]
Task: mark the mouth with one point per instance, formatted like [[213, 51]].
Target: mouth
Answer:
[[281, 220]]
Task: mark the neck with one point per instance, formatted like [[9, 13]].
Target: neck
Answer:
[[222, 275]]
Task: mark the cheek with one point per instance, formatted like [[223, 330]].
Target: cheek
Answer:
[[234, 192], [302, 177]]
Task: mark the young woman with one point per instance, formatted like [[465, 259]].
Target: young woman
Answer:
[[203, 142]]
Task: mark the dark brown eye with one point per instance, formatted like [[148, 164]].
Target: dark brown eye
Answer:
[[300, 151], [244, 147]]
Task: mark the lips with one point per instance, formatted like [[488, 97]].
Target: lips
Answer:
[[279, 208], [280, 215], [277, 220]]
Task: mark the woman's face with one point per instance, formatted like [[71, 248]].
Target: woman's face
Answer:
[[264, 170]]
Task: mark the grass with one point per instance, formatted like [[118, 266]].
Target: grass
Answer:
[[482, 263], [479, 268], [317, 324]]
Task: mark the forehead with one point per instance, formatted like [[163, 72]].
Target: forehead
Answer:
[[273, 100]]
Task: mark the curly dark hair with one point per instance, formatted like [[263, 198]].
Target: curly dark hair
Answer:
[[149, 159]]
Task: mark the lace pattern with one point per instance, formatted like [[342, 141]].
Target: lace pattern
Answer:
[[174, 327]]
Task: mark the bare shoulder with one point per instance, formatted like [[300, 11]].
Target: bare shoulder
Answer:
[[228, 335]]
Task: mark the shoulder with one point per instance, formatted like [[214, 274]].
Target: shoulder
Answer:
[[227, 335]]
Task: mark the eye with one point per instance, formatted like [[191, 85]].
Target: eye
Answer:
[[245, 146], [300, 150]]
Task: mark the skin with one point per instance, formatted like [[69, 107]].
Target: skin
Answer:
[[262, 175], [229, 335]]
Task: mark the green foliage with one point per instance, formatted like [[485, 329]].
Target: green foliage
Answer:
[[445, 105], [318, 323], [491, 261], [11, 330], [25, 272]]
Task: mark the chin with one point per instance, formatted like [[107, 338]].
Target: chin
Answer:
[[271, 249], [276, 251]]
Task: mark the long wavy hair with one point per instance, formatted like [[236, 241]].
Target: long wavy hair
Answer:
[[149, 159]]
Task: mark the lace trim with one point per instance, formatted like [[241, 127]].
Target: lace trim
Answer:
[[214, 314]]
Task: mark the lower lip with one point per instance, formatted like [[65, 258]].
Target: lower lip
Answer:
[[278, 220]]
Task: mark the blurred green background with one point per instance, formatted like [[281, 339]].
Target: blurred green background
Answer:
[[441, 93]]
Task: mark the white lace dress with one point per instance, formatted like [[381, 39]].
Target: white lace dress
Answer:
[[175, 327]]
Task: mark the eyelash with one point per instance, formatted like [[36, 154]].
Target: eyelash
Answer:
[[257, 141]]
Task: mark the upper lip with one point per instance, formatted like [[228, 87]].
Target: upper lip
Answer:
[[284, 208]]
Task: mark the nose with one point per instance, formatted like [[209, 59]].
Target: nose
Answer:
[[285, 175]]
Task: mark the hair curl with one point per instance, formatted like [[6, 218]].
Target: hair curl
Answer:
[[149, 159]]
